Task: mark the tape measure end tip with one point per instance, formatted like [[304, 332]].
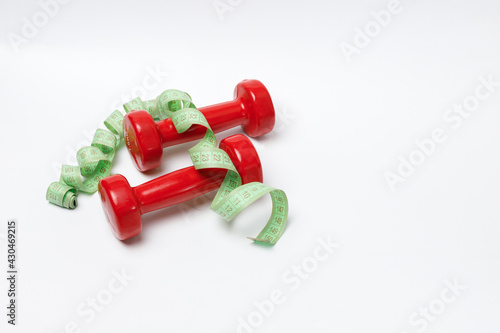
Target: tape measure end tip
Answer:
[[258, 240]]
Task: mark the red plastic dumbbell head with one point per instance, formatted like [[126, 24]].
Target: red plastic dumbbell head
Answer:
[[121, 206], [252, 108], [124, 205], [259, 109], [143, 140]]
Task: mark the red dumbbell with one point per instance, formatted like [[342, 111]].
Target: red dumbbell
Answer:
[[124, 205], [252, 108]]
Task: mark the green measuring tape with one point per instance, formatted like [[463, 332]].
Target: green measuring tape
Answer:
[[232, 197], [94, 163]]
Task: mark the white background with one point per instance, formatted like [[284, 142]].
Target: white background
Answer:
[[342, 125]]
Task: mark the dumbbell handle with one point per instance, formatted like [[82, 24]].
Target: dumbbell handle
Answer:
[[252, 108], [176, 187], [221, 117]]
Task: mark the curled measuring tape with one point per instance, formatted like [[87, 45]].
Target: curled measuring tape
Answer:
[[163, 106], [232, 197], [94, 163]]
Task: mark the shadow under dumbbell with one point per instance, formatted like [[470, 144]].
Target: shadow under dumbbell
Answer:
[[133, 241]]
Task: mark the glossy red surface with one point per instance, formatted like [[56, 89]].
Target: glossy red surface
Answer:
[[252, 108], [124, 205], [143, 140]]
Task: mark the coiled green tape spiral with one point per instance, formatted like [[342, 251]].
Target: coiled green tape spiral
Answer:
[[94, 163]]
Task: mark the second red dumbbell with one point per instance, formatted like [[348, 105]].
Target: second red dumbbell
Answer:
[[124, 205], [252, 108]]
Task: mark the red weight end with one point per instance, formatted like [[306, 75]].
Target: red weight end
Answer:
[[121, 206], [244, 156], [258, 107], [143, 140]]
